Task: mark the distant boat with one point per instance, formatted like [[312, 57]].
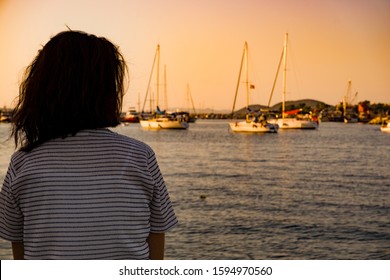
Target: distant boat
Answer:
[[348, 114], [131, 116], [288, 119], [165, 122], [160, 119], [351, 118], [255, 122], [385, 127], [4, 117], [190, 119]]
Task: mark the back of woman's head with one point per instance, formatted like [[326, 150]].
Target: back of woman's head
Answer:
[[75, 82]]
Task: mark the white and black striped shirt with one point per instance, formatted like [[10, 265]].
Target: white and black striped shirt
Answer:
[[95, 195]]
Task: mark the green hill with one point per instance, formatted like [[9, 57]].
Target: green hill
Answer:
[[308, 104], [305, 104]]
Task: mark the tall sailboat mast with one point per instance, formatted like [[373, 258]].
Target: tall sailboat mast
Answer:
[[165, 88], [243, 59], [246, 75], [347, 99], [189, 96], [276, 78], [157, 54], [158, 75], [284, 74]]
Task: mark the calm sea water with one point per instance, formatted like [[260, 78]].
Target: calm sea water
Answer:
[[317, 194]]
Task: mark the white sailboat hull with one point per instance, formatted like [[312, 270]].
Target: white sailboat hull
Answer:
[[385, 128], [292, 123], [253, 127], [163, 123]]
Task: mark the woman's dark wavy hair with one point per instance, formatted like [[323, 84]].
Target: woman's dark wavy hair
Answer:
[[75, 82]]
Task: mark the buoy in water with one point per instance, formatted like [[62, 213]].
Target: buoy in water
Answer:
[[203, 196]]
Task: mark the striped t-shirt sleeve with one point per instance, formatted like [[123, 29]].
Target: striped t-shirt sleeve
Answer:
[[11, 219], [162, 217]]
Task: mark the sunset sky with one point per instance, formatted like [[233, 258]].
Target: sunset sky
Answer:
[[330, 42]]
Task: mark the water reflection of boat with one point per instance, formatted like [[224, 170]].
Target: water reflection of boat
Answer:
[[255, 122]]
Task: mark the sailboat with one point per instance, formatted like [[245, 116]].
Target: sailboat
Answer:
[[186, 115], [348, 114], [291, 119], [254, 122], [385, 127], [160, 119]]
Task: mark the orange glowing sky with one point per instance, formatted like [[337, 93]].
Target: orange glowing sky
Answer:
[[331, 42]]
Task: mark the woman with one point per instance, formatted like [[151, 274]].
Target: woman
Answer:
[[75, 189]]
